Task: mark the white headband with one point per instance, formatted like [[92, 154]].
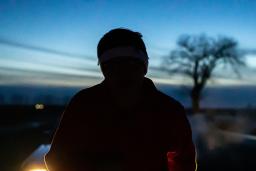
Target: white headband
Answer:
[[127, 51]]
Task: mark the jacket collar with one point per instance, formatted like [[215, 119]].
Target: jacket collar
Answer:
[[147, 85]]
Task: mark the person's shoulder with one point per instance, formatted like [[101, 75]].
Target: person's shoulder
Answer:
[[172, 109], [168, 101], [88, 93], [161, 99]]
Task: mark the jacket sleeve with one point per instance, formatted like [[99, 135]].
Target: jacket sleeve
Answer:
[[182, 155], [64, 148]]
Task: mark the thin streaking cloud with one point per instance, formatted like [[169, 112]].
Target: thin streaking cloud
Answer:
[[50, 69], [47, 42]]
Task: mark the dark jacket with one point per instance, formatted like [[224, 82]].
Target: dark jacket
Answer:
[[96, 135]]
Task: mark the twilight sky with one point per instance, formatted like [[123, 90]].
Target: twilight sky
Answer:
[[53, 42]]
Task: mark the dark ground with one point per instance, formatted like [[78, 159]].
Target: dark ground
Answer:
[[23, 129]]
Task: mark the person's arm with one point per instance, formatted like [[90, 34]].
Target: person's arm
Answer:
[[182, 155], [61, 156]]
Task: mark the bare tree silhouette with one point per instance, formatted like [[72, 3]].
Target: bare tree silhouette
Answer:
[[197, 56]]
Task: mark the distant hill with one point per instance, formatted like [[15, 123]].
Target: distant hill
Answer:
[[213, 97], [216, 97]]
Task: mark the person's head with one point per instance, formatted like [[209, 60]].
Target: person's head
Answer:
[[122, 57]]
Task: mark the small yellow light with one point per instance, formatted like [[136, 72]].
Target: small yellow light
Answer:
[[37, 169], [39, 106]]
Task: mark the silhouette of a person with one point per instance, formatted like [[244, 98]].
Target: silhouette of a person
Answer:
[[124, 123]]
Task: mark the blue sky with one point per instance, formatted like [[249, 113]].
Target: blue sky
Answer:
[[76, 26]]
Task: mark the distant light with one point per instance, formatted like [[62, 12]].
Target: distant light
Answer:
[[39, 106]]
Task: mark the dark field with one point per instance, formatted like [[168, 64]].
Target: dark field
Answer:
[[23, 129]]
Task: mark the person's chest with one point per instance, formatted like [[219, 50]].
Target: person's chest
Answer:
[[105, 124], [120, 129], [125, 136], [135, 136]]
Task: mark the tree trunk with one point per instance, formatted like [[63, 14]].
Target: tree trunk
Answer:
[[195, 99]]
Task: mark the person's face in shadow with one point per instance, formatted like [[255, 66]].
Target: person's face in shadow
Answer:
[[124, 72]]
